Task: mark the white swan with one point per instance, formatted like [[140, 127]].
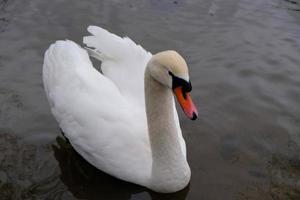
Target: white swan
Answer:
[[123, 128]]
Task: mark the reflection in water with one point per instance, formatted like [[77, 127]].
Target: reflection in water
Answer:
[[285, 173], [27, 171], [87, 182]]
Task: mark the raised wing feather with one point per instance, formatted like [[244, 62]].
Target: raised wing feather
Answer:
[[123, 61], [99, 121]]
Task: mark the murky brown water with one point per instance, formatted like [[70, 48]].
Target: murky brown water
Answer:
[[244, 58]]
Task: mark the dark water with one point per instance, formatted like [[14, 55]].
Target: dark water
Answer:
[[244, 58]]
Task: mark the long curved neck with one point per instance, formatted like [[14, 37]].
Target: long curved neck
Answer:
[[169, 165]]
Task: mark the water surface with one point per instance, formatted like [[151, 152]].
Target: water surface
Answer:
[[244, 59]]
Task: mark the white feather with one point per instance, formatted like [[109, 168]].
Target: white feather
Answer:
[[103, 115], [123, 61]]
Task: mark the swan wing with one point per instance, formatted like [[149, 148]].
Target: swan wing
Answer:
[[123, 61], [101, 124]]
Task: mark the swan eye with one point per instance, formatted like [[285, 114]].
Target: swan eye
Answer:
[[179, 82]]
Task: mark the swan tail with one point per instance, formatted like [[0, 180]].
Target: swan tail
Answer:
[[62, 62]]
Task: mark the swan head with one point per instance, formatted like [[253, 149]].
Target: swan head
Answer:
[[170, 69]]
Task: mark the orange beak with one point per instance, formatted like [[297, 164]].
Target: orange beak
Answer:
[[186, 103]]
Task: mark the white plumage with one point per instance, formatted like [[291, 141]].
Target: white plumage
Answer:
[[103, 115]]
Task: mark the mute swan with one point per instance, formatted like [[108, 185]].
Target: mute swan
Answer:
[[123, 121]]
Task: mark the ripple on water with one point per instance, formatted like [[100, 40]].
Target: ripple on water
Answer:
[[27, 171], [244, 63]]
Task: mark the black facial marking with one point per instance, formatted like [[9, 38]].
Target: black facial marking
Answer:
[[179, 82]]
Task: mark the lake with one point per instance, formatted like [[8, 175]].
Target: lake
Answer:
[[244, 60]]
